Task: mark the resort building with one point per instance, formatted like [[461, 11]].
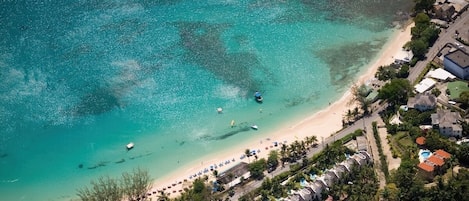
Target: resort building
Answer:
[[313, 190], [447, 123], [457, 63], [422, 102], [434, 164]]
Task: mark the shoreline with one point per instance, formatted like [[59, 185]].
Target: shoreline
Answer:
[[322, 124]]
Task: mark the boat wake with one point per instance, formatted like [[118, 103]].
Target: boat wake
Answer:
[[9, 181]]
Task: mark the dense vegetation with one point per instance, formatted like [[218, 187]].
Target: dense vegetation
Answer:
[[424, 34]]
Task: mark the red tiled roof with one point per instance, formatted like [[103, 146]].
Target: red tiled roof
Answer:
[[426, 167], [443, 154], [436, 160], [420, 140]]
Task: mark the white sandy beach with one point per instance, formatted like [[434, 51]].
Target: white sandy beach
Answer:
[[321, 124]]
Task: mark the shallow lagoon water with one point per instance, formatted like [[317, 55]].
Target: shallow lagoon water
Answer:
[[80, 80]]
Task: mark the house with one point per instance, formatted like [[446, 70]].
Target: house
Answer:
[[314, 190], [444, 12], [434, 164], [233, 175], [447, 122], [422, 102], [457, 63]]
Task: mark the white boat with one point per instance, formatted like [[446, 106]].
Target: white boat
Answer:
[[255, 127], [130, 146]]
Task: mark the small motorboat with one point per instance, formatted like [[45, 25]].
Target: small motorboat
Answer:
[[130, 146], [255, 127], [258, 96]]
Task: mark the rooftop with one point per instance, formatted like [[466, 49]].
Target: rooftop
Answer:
[[435, 160], [420, 140], [442, 154], [426, 167], [459, 57], [233, 173]]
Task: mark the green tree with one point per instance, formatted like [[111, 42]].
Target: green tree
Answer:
[[257, 168], [135, 184], [130, 187], [104, 189], [359, 97], [199, 192], [430, 34], [403, 71], [419, 48], [464, 98], [396, 91], [385, 73], [423, 5], [247, 152], [436, 92], [272, 160]]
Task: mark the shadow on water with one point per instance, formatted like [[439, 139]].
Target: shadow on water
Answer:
[[352, 56], [231, 133], [98, 101], [205, 48], [108, 97]]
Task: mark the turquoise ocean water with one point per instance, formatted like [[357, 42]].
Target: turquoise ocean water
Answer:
[[81, 79]]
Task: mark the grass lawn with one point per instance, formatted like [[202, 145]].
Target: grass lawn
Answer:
[[401, 141], [456, 87], [405, 141]]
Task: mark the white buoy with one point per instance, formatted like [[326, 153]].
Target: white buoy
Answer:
[[219, 110]]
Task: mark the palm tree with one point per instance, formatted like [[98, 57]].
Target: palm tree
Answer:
[[283, 153], [359, 96], [355, 113], [349, 115], [311, 140], [248, 154]]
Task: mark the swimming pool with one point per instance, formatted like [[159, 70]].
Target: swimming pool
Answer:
[[424, 154]]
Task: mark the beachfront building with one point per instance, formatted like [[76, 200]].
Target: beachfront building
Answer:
[[422, 102], [433, 165], [403, 56], [447, 123], [232, 176], [313, 190], [457, 63]]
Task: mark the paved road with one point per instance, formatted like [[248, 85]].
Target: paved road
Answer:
[[445, 37]]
